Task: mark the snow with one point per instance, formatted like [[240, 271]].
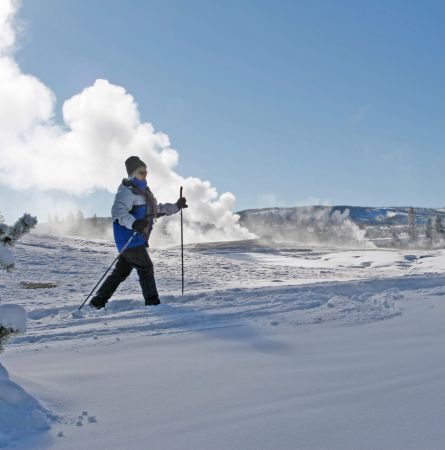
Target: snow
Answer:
[[13, 317], [20, 414], [283, 347], [6, 258]]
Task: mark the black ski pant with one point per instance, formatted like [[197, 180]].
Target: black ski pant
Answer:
[[137, 258]]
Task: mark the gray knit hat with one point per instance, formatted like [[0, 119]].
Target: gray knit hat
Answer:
[[133, 163]]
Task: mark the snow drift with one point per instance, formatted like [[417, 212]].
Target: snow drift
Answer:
[[13, 317], [20, 413]]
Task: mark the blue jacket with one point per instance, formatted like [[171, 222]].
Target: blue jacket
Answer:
[[130, 203]]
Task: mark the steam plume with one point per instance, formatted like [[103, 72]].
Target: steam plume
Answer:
[[102, 127]]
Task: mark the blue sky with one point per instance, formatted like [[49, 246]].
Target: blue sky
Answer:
[[280, 102]]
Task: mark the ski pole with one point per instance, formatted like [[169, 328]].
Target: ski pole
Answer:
[[119, 254], [182, 246]]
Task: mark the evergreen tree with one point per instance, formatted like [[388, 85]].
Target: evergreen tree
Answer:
[[438, 226], [9, 235], [429, 229], [70, 217], [412, 224]]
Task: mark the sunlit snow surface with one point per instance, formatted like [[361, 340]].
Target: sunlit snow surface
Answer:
[[224, 284], [270, 347]]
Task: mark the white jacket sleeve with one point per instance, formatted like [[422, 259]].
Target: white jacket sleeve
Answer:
[[167, 208], [123, 204]]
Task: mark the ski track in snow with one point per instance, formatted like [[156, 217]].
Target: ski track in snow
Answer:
[[224, 288]]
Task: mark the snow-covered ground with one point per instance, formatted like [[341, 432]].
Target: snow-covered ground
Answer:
[[284, 347]]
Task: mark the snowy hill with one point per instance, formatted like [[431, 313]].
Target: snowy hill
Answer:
[[270, 347], [361, 215]]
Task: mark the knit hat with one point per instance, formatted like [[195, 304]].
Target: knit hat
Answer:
[[133, 163]]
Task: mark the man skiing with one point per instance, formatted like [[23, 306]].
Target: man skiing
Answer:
[[134, 211]]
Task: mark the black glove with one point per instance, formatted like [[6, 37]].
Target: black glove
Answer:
[[182, 203], [7, 240], [140, 225]]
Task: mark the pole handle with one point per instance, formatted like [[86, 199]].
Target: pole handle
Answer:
[[180, 192]]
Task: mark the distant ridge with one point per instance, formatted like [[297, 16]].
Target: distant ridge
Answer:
[[361, 215]]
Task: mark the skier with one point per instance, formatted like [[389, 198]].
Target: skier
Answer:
[[134, 210]]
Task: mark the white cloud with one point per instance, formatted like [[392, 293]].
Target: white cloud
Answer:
[[102, 127], [7, 34]]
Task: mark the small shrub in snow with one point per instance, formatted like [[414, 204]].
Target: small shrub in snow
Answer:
[[12, 321], [5, 333]]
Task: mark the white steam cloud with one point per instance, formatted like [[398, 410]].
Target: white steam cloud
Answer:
[[102, 127], [311, 225]]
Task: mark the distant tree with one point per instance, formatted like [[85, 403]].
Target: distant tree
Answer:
[[438, 225], [70, 218], [412, 224], [429, 229], [79, 216], [435, 231], [395, 239]]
